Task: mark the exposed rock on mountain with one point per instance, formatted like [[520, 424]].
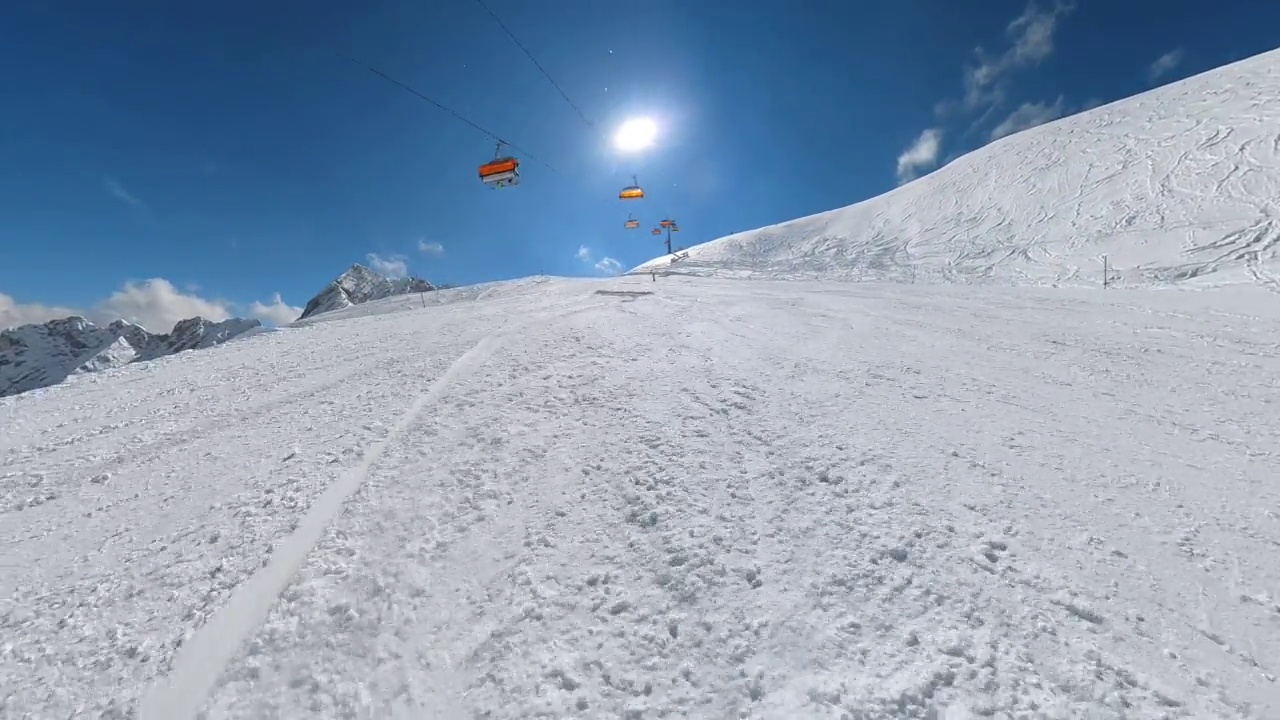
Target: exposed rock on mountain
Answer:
[[359, 285], [39, 355]]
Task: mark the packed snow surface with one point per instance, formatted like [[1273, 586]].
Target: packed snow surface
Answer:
[[1180, 184], [683, 498]]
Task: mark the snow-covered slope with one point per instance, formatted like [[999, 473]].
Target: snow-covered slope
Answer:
[[359, 285], [1175, 184], [699, 498], [39, 355], [467, 293]]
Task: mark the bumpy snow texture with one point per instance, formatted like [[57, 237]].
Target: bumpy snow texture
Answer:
[[712, 497]]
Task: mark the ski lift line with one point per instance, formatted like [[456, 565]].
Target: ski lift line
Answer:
[[535, 62], [498, 176], [447, 109], [632, 192]]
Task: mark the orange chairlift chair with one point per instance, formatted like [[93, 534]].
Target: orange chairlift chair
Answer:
[[632, 192], [500, 171]]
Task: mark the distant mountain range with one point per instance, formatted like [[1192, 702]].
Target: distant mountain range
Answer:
[[43, 354]]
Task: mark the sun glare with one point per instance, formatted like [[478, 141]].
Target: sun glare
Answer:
[[635, 134]]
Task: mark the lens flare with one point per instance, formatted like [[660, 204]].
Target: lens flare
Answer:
[[635, 134]]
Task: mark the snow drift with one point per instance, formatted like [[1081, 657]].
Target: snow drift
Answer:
[[1176, 184]]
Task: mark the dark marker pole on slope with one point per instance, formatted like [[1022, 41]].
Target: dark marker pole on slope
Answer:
[[1105, 273]]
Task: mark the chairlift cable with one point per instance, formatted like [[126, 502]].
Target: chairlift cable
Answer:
[[631, 192], [535, 62], [447, 109]]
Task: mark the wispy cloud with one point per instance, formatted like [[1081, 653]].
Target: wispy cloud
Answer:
[[1029, 115], [606, 265], [430, 248], [119, 192], [921, 155], [393, 266], [1164, 65], [1030, 38], [986, 81], [609, 265], [1092, 103]]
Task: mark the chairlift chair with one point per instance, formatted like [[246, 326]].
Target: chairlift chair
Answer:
[[632, 192], [501, 171]]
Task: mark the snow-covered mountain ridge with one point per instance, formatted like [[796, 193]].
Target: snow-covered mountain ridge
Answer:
[[43, 354], [359, 285], [1175, 184]]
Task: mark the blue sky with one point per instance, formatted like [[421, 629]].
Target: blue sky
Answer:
[[162, 159]]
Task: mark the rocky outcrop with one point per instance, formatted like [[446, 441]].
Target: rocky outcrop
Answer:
[[359, 285]]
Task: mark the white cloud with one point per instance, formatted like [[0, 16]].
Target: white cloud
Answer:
[[1031, 41], [1029, 115], [1164, 64], [922, 154], [276, 313], [430, 248], [13, 313], [117, 191], [393, 266], [604, 265], [156, 305]]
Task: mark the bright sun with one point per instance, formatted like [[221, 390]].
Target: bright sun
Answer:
[[635, 134]]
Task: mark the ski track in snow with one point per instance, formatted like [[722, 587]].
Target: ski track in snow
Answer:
[[201, 658], [723, 499], [146, 509]]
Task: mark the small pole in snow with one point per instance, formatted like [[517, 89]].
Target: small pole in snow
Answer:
[[1105, 273], [423, 297], [653, 274]]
